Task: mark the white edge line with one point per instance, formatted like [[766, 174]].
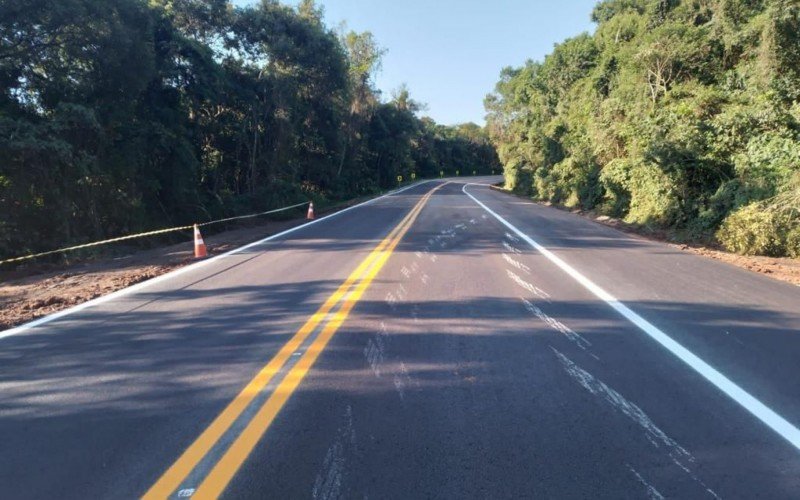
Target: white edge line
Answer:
[[191, 267], [761, 411]]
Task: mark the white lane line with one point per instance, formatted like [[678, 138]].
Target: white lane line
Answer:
[[598, 388], [511, 248], [191, 267], [758, 409], [519, 265], [328, 483], [558, 326], [652, 492], [528, 286], [654, 434]]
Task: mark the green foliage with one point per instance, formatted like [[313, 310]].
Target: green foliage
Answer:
[[123, 116], [793, 243], [639, 191], [605, 10], [751, 230], [672, 113], [767, 164], [570, 182]]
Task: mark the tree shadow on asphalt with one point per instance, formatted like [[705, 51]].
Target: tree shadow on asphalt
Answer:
[[464, 389], [145, 383]]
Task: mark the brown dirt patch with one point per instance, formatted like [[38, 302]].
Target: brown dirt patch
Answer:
[[30, 293], [40, 289]]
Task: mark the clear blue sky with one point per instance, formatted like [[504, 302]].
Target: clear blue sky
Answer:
[[450, 52]]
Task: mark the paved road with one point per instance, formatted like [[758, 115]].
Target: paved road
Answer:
[[417, 347]]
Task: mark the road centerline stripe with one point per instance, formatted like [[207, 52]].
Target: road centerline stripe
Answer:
[[762, 412], [221, 475], [191, 457], [191, 267]]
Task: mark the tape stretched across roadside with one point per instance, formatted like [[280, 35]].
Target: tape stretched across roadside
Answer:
[[142, 235], [191, 267]]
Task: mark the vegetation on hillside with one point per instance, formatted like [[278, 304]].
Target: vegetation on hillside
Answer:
[[678, 114], [123, 115]]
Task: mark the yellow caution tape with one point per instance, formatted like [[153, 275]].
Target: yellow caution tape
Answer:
[[254, 215], [140, 235]]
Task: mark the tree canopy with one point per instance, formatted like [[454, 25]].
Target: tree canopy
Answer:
[[123, 115], [679, 114]]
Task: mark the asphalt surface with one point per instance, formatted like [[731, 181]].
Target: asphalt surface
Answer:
[[471, 367]]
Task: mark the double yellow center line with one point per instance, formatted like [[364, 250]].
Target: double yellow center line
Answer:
[[348, 294]]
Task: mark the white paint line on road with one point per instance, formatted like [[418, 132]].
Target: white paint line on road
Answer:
[[750, 403], [401, 381], [511, 248], [558, 326], [652, 492], [519, 265], [328, 483], [191, 267], [528, 286], [595, 386]]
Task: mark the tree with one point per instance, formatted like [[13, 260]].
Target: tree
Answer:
[[672, 114], [123, 116]]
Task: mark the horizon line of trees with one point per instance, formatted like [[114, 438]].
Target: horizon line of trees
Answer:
[[122, 115], [679, 114]]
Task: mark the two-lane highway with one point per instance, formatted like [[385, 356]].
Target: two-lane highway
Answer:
[[445, 341]]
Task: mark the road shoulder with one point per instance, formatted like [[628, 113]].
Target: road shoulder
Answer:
[[784, 269]]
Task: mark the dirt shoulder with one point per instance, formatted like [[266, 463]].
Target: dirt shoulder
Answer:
[[779, 268], [40, 289], [27, 295]]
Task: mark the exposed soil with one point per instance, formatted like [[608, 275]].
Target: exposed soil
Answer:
[[38, 290], [29, 293], [779, 268]]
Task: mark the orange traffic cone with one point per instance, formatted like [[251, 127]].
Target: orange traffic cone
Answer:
[[310, 214], [199, 244]]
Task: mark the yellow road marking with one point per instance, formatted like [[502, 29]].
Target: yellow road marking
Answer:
[[178, 471], [223, 472]]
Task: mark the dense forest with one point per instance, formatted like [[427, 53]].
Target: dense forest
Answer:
[[674, 114], [125, 115]]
